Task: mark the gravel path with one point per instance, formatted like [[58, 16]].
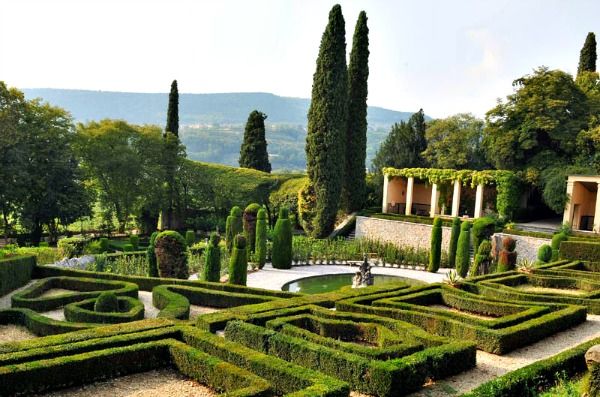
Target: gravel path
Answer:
[[158, 383], [490, 366], [5, 300], [14, 333], [149, 310]]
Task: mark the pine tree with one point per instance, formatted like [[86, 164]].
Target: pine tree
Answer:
[[253, 152], [587, 56], [356, 132], [173, 110], [327, 128]]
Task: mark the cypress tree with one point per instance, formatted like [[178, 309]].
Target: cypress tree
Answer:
[[356, 132], [238, 263], [253, 152], [435, 253], [463, 257], [233, 226], [453, 242], [282, 241], [212, 264], [173, 110], [151, 257], [261, 238], [327, 128], [587, 56]]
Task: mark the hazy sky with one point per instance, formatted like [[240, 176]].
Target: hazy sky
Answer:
[[444, 56]]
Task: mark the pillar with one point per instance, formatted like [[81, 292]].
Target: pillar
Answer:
[[384, 204], [597, 213], [456, 198], [568, 215], [409, 195], [435, 197], [478, 202]]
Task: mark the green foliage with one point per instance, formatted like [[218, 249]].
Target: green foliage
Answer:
[[580, 250], [104, 246], [557, 239], [233, 227], [462, 249], [70, 247], [356, 128], [592, 381], [587, 57], [483, 228], [238, 264], [286, 195], [249, 225], [327, 118], [173, 110], [15, 272], [127, 248], [435, 253], [134, 240], [483, 260], [171, 255], [282, 241], [507, 258], [212, 264], [151, 256], [454, 234], [455, 142], [261, 238], [544, 253], [190, 238], [253, 152], [107, 302]]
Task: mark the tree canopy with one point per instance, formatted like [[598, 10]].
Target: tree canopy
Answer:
[[253, 151]]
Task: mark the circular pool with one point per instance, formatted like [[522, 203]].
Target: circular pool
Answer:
[[332, 282]]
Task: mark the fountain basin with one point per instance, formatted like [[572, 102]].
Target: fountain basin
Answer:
[[332, 282]]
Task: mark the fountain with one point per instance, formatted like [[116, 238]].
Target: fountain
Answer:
[[363, 278]]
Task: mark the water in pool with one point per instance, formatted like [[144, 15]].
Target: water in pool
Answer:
[[331, 282]]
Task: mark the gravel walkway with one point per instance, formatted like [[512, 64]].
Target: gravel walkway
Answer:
[[5, 300], [490, 366], [149, 310], [14, 333], [158, 383]]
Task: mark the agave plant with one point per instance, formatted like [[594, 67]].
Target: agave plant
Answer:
[[452, 279], [525, 266]]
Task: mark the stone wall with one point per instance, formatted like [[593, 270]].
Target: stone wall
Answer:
[[527, 247], [401, 233]]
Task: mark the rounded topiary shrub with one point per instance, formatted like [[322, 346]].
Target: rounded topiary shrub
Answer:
[[556, 240], [134, 240], [104, 246], [462, 249], [233, 226], [261, 238], [171, 255], [190, 238], [482, 229], [151, 257], [282, 241], [107, 302], [483, 259], [544, 253], [507, 258], [249, 222], [212, 261], [238, 263], [435, 253], [127, 248], [453, 242]]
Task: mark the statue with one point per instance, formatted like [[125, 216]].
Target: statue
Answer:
[[363, 278]]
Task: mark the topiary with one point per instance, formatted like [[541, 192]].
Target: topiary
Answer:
[[171, 254], [190, 238], [483, 259], [591, 381], [507, 259], [462, 249], [238, 263], [483, 228], [544, 254], [127, 247], [453, 242], [556, 240], [151, 256], [104, 245], [261, 238], [134, 240], [212, 263], [249, 223], [435, 253], [233, 226], [107, 302], [281, 256]]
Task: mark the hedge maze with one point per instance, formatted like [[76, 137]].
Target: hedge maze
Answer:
[[385, 340]]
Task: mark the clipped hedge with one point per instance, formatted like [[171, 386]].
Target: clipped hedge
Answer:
[[580, 250], [128, 309], [15, 272]]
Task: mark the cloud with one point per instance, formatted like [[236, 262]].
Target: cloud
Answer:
[[489, 61]]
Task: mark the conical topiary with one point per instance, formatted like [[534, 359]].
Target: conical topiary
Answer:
[[233, 226], [261, 238], [212, 262], [282, 241], [171, 254], [435, 253], [249, 222], [453, 242], [462, 249], [238, 263], [151, 257]]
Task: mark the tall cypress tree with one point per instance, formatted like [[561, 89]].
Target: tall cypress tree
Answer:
[[356, 133], [327, 128], [253, 152], [173, 110], [587, 56]]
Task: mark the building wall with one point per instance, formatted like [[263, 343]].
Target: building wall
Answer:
[[396, 188], [421, 193]]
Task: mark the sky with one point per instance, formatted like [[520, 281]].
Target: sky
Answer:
[[443, 56]]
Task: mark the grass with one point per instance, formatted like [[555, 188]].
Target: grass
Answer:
[[565, 388]]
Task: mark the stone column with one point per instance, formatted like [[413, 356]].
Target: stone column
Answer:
[[597, 213], [409, 195], [456, 198], [384, 208], [435, 196], [568, 214], [478, 202]]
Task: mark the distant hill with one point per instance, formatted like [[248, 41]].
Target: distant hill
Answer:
[[228, 108], [212, 125]]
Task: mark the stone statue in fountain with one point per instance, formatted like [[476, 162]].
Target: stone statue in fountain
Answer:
[[363, 278]]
